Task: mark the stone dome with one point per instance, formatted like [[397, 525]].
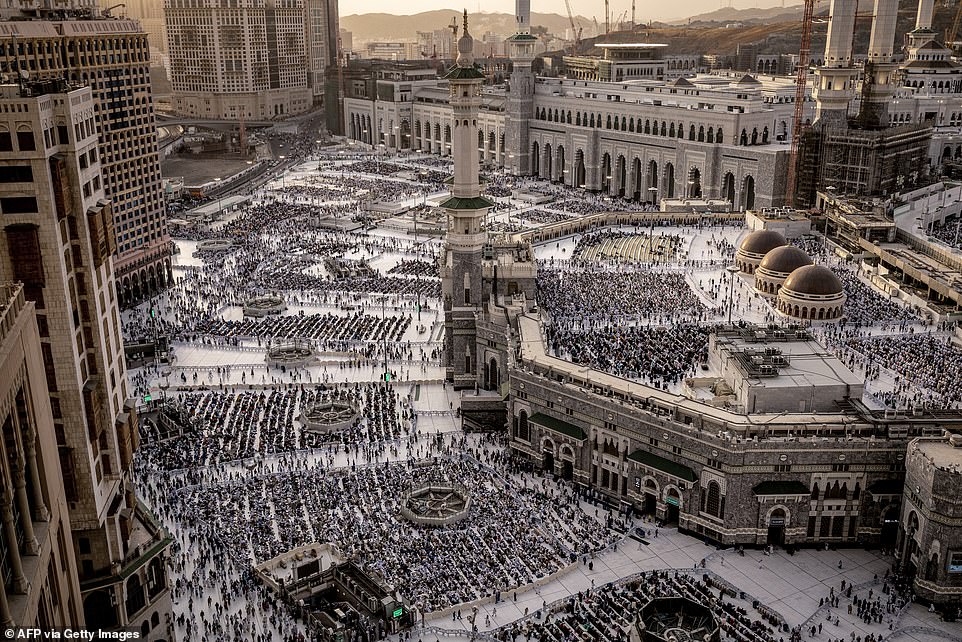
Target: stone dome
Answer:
[[785, 259], [815, 280], [762, 242]]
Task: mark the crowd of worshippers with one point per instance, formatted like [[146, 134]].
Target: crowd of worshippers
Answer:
[[867, 307], [351, 188], [598, 298], [417, 267], [219, 427], [949, 231], [588, 203], [279, 278], [514, 534], [609, 613], [864, 306], [542, 216], [925, 368], [660, 356], [607, 243], [357, 326]]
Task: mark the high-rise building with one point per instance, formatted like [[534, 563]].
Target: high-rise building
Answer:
[[347, 41], [111, 56], [256, 59], [57, 239], [321, 33], [150, 15], [37, 566], [438, 43]]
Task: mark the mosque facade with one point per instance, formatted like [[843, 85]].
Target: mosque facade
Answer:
[[792, 457], [648, 136]]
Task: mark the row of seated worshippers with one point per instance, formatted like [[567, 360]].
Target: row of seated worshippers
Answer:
[[222, 427], [607, 614], [513, 535]]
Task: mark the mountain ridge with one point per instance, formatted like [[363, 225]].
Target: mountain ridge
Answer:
[[386, 26]]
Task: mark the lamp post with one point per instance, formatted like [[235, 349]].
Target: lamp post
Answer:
[[416, 257], [220, 210], [732, 270], [384, 320], [958, 226]]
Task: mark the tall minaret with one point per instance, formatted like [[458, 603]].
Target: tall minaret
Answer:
[[923, 31], [517, 144], [880, 66], [466, 209], [835, 80]]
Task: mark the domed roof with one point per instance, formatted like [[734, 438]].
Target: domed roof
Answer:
[[785, 259], [762, 242], [813, 279], [465, 45]]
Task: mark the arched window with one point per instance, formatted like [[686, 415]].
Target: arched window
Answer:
[[815, 490], [467, 289], [135, 595], [523, 430], [832, 491], [647, 127], [857, 492], [718, 136], [713, 501]]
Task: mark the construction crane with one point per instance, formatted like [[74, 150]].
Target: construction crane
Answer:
[[951, 37], [106, 12], [575, 31], [801, 80], [632, 15], [607, 19]]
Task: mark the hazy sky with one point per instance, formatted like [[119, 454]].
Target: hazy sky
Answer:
[[644, 9]]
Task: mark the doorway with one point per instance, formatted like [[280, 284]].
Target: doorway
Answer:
[[776, 528], [651, 504], [547, 462]]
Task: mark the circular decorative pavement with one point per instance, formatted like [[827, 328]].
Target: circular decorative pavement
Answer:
[[262, 306], [294, 355], [436, 504], [329, 416]]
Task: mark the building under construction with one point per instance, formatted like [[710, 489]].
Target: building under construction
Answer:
[[862, 155], [861, 161]]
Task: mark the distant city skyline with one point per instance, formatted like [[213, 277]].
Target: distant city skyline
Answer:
[[588, 8]]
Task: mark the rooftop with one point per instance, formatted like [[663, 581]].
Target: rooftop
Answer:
[[803, 364], [941, 453]]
